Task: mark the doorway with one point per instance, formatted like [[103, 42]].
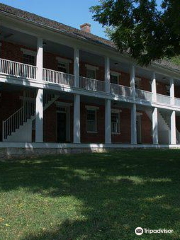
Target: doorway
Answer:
[[63, 125], [139, 129]]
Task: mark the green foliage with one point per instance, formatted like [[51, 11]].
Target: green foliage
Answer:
[[91, 196], [143, 30]]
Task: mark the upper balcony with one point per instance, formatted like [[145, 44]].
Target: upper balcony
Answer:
[[19, 51]]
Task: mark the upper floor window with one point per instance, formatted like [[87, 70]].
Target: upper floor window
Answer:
[[91, 120], [63, 64], [91, 71], [29, 59], [91, 74], [115, 122], [137, 82], [63, 67], [114, 76]]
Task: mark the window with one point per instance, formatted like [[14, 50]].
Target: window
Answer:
[[91, 73], [28, 59], [137, 82], [91, 120], [63, 67], [114, 79], [115, 122]]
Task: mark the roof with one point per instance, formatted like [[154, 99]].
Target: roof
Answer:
[[73, 32]]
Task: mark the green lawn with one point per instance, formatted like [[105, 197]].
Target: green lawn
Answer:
[[91, 196]]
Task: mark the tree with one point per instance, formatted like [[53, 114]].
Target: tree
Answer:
[[141, 28]]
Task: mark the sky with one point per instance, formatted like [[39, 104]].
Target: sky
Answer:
[[69, 12]]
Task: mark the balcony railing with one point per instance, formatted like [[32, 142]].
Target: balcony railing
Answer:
[[144, 95], [177, 102], [92, 84], [163, 99], [58, 77], [17, 69], [121, 90], [26, 71]]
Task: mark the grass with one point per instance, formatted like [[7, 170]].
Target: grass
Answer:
[[91, 196]]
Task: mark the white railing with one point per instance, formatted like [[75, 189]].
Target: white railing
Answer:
[[144, 95], [18, 118], [163, 99], [177, 102], [58, 77], [120, 90], [17, 69], [92, 84]]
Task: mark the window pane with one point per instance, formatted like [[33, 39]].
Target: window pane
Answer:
[[115, 125], [28, 59], [91, 121], [91, 74], [114, 79]]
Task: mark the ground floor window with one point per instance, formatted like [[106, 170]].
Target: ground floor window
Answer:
[[91, 121], [115, 122]]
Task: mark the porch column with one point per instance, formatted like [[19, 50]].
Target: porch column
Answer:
[[173, 127], [76, 67], [107, 75], [39, 116], [155, 126], [172, 91], [39, 59], [132, 81], [153, 87], [77, 132], [133, 125], [107, 121]]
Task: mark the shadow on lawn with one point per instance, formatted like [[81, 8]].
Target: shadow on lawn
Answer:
[[119, 191]]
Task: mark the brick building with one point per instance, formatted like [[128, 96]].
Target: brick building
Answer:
[[63, 85]]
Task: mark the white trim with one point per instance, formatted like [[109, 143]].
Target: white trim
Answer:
[[117, 74], [91, 67], [63, 60], [28, 52], [63, 104], [91, 107], [139, 114], [116, 110]]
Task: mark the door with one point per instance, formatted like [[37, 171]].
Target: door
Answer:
[[138, 128], [61, 127]]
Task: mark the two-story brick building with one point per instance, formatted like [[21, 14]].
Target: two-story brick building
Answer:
[[61, 87]]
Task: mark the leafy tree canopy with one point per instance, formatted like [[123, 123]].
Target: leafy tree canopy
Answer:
[[141, 28]]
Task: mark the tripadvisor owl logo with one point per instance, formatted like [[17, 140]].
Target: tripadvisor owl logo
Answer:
[[138, 231]]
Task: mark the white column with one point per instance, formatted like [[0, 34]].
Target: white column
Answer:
[[39, 116], [132, 81], [107, 74], [172, 91], [107, 121], [133, 125], [173, 127], [153, 87], [39, 96], [39, 59], [77, 132], [76, 67], [155, 126]]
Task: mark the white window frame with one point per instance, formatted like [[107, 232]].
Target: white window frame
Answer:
[[116, 74], [91, 68], [92, 108], [64, 61], [117, 111], [137, 81]]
